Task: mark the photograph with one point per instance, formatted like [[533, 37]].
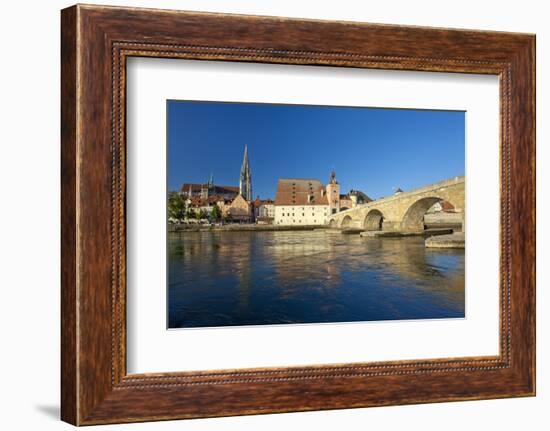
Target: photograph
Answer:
[[281, 214]]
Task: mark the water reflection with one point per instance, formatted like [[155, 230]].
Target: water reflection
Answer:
[[254, 278]]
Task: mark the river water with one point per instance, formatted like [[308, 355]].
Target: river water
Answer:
[[253, 278]]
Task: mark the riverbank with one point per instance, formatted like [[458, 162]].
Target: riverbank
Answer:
[[391, 234], [242, 228], [443, 232]]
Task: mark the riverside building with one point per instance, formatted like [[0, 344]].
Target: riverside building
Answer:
[[305, 201]]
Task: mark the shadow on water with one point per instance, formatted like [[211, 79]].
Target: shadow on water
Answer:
[[253, 278]]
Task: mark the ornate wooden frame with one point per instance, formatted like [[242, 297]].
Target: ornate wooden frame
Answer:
[[95, 43]]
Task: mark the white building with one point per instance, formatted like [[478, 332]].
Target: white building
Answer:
[[301, 202], [267, 210], [264, 211]]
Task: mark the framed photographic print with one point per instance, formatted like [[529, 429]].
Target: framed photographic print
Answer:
[[267, 215]]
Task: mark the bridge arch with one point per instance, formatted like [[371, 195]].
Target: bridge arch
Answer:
[[373, 220], [413, 220], [346, 221], [406, 211], [332, 223]]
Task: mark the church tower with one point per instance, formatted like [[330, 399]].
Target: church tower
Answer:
[[245, 182], [333, 194]]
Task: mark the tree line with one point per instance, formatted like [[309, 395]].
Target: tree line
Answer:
[[179, 211]]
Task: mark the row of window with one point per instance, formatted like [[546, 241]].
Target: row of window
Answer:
[[303, 214], [303, 209]]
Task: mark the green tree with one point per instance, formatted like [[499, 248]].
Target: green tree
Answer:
[[176, 206], [191, 213], [202, 215], [216, 214]]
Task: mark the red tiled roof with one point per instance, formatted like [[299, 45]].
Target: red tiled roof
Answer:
[[258, 202], [446, 206], [195, 188], [197, 201], [226, 189], [300, 192]]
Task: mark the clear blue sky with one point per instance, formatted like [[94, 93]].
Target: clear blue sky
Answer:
[[373, 150]]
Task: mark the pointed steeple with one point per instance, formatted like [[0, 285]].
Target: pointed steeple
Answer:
[[245, 182]]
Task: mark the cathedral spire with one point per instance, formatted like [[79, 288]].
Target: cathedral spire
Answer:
[[245, 182], [211, 180]]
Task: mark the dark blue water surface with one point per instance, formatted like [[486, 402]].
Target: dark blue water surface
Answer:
[[256, 278]]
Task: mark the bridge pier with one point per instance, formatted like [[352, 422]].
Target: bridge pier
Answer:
[[391, 226]]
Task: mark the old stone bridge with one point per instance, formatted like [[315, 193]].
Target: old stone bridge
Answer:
[[403, 211]]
